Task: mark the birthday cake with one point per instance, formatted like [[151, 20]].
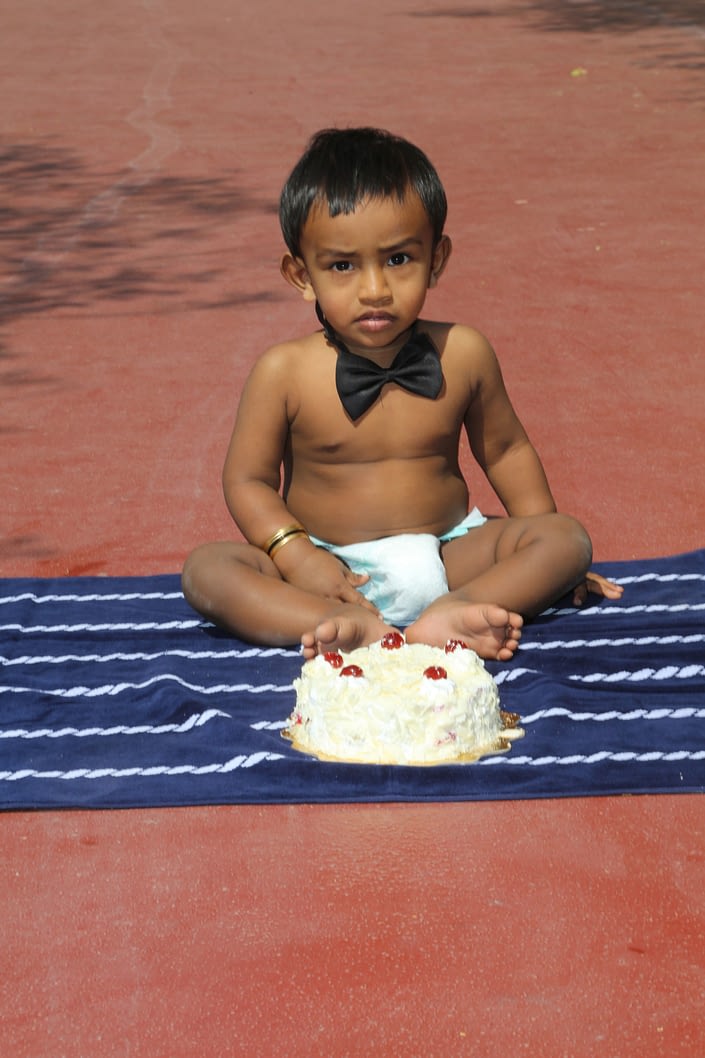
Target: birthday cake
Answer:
[[399, 703]]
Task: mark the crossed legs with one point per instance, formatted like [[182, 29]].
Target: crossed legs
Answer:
[[499, 573]]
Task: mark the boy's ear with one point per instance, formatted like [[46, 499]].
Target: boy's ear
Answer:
[[294, 271], [440, 259]]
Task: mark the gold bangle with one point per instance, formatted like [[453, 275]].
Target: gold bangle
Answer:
[[286, 540], [276, 540]]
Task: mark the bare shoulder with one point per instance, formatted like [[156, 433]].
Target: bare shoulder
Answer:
[[290, 373], [456, 339], [284, 356], [463, 348], [282, 364]]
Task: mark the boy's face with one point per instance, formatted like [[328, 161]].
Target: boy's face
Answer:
[[370, 269]]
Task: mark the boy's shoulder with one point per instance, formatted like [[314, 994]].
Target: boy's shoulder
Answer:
[[456, 339], [288, 356], [293, 348]]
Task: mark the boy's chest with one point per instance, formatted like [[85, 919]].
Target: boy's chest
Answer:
[[398, 425]]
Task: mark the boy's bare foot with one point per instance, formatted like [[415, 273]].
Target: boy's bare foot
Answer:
[[490, 630], [352, 627]]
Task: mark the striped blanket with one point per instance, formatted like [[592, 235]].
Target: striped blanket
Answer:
[[114, 693]]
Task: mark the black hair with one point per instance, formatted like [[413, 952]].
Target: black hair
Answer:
[[343, 167]]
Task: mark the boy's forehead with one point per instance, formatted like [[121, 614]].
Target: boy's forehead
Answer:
[[387, 218]]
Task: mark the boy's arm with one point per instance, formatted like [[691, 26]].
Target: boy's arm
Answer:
[[252, 478], [511, 463], [500, 444], [251, 474]]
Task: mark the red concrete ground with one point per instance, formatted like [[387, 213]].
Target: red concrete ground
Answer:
[[143, 147]]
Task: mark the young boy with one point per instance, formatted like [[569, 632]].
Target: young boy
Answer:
[[370, 529]]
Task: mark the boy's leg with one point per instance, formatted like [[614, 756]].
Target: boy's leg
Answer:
[[523, 564], [506, 569], [238, 587]]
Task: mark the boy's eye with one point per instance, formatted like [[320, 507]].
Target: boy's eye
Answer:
[[341, 266], [399, 259]]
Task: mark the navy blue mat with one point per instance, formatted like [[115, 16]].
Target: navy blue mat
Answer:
[[113, 693]]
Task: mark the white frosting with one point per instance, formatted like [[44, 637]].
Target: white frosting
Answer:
[[394, 714]]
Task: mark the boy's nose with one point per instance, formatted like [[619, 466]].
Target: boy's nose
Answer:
[[373, 285]]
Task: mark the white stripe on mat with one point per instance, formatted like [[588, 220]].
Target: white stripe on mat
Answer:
[[662, 578], [685, 713], [618, 611], [127, 597], [598, 758], [129, 773], [624, 641], [195, 720], [256, 758], [190, 655], [667, 672], [146, 626], [654, 607], [111, 689]]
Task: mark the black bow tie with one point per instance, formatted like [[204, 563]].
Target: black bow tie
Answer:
[[359, 381]]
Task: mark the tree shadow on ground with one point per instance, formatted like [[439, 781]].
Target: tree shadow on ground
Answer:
[[685, 19], [75, 240], [621, 16], [587, 16]]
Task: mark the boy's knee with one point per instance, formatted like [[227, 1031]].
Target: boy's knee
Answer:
[[577, 540], [190, 573], [210, 570], [195, 574]]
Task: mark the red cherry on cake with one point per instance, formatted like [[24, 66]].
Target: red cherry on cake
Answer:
[[392, 641], [455, 644], [435, 672], [352, 670], [333, 658]]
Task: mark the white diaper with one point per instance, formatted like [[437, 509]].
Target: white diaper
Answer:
[[406, 572]]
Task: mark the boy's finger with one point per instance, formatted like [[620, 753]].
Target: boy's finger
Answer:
[[356, 578]]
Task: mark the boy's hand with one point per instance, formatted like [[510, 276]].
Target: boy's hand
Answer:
[[323, 574], [596, 585]]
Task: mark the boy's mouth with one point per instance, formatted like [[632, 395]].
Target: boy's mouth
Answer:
[[374, 321]]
